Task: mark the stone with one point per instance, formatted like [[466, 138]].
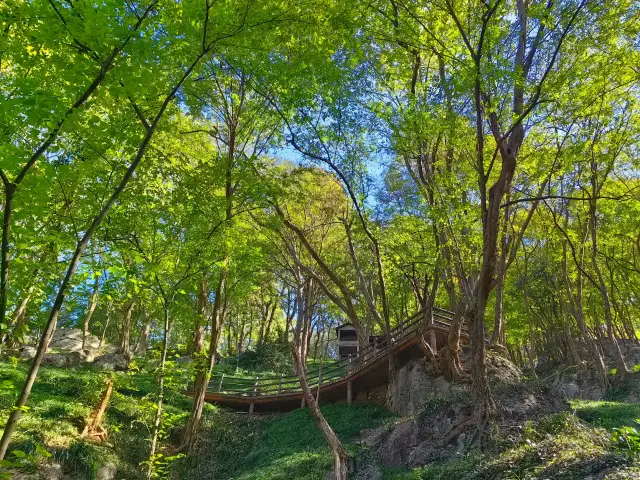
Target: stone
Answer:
[[71, 339], [112, 361], [63, 360], [413, 386], [371, 471], [27, 353], [107, 472], [51, 472]]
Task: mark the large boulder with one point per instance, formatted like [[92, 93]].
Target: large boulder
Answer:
[[572, 383], [70, 339], [414, 385], [63, 360], [112, 361], [28, 352]]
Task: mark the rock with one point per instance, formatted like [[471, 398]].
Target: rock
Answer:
[[397, 447], [63, 360], [502, 370], [71, 339], [112, 361], [414, 385], [27, 353], [51, 472], [370, 471], [107, 472], [577, 384]]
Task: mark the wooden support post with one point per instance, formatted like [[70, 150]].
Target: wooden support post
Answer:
[[349, 392], [280, 384], [302, 403], [251, 405], [432, 340], [220, 385]]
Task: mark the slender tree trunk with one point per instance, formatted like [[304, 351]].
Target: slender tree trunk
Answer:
[[9, 192], [498, 336], [577, 311], [615, 346], [18, 319], [196, 344], [106, 323], [159, 404], [81, 246], [93, 303], [340, 457], [125, 337]]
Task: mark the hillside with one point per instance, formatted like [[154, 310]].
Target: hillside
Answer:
[[547, 439]]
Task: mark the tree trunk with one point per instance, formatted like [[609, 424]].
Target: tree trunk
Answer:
[[106, 323], [125, 337], [143, 340], [18, 318], [340, 457], [9, 192], [204, 369], [196, 344], [93, 303], [81, 246], [92, 429], [159, 405]]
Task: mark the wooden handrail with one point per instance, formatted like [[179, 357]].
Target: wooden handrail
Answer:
[[332, 373]]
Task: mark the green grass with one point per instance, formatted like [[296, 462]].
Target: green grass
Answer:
[[285, 446], [61, 400], [607, 414]]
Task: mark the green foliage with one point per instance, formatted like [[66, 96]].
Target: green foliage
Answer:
[[627, 439], [269, 356]]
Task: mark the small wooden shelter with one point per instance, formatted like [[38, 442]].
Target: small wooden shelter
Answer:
[[347, 341]]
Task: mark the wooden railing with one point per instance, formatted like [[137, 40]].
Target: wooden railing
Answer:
[[330, 373]]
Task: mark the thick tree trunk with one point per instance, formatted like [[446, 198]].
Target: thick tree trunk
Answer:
[[93, 303], [196, 343], [143, 339], [340, 457], [204, 369]]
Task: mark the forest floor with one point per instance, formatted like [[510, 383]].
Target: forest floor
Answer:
[[575, 444]]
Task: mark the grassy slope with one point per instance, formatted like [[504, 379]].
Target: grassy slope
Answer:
[[60, 401], [287, 446]]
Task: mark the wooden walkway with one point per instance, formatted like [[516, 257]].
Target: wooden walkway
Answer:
[[339, 381]]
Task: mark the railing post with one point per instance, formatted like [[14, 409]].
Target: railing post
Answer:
[[280, 384], [319, 383], [255, 392], [220, 384], [349, 392]]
